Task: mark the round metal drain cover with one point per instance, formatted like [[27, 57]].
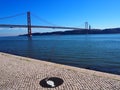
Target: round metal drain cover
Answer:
[[51, 82]]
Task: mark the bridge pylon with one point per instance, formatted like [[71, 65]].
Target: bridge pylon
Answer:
[[29, 24]]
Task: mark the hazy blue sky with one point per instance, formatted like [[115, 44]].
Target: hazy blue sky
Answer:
[[99, 13]]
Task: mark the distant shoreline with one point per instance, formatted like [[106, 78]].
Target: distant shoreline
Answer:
[[79, 32]]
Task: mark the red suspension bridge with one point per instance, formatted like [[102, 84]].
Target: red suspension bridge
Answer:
[[29, 26]]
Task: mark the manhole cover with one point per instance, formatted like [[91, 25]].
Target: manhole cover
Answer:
[[51, 82]]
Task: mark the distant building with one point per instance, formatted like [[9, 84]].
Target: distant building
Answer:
[[89, 27]]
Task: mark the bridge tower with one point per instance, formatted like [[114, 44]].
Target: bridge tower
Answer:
[[29, 24], [86, 25]]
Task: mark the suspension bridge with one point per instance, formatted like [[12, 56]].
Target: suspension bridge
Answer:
[[29, 26]]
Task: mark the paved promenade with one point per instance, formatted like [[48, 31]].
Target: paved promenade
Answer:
[[20, 73]]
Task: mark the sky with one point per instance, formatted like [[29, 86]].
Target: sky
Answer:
[[99, 14]]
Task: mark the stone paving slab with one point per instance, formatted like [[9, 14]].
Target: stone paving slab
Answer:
[[20, 73]]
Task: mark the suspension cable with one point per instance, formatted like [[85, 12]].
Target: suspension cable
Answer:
[[12, 16], [43, 20]]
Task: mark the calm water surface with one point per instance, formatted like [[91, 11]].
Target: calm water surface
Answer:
[[97, 52]]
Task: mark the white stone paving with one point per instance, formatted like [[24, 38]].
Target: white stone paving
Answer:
[[20, 73]]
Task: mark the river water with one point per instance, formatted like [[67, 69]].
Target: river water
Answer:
[[99, 52]]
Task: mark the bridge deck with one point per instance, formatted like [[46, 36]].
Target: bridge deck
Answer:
[[19, 73], [35, 26]]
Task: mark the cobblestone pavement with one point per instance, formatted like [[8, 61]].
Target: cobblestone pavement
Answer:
[[19, 73]]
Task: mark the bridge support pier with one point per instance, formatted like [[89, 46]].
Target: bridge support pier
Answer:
[[29, 24]]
